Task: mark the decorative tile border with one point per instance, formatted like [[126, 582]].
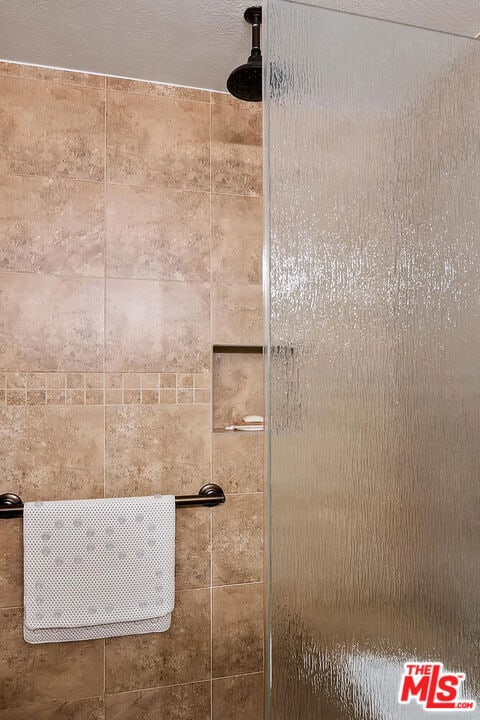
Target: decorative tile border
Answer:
[[57, 388]]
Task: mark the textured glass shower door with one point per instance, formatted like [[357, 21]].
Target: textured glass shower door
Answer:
[[373, 141]]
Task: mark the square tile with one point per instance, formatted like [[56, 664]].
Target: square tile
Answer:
[[180, 655], [158, 233], [51, 129], [158, 141], [52, 671], [51, 323], [157, 449], [52, 225], [152, 325]]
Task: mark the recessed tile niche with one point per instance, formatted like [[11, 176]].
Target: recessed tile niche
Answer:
[[238, 384]]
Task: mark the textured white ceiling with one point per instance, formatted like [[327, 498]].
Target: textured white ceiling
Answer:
[[185, 42]]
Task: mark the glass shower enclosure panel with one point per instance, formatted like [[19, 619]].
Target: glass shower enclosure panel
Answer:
[[373, 167]]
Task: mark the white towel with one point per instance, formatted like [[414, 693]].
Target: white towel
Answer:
[[98, 568]]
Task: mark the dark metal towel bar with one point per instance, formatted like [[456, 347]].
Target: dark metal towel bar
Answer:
[[209, 495]]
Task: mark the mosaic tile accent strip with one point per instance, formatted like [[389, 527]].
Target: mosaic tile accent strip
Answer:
[[104, 388]]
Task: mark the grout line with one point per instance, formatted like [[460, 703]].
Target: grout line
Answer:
[[211, 395], [63, 178], [105, 340]]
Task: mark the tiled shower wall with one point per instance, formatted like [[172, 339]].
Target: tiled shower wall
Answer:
[[130, 243]]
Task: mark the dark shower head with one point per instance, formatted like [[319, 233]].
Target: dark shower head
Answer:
[[245, 82]]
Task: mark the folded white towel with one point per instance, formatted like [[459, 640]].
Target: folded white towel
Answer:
[[98, 568]]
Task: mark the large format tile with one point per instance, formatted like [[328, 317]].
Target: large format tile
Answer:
[[48, 128], [157, 326], [51, 225], [238, 461], [179, 702], [238, 698], [192, 548], [236, 150], [237, 239], [52, 671], [237, 629], [50, 323], [238, 540], [158, 141], [157, 449], [180, 655], [11, 565], [89, 709], [157, 233], [52, 453], [36, 72], [237, 314]]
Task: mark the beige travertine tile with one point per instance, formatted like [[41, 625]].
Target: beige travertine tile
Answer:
[[89, 709], [236, 150], [94, 380], [157, 141], [36, 397], [184, 396], [114, 396], [53, 129], [238, 461], [56, 397], [185, 380], [152, 88], [37, 381], [51, 225], [35, 72], [152, 325], [11, 565], [75, 397], [52, 452], [16, 397], [168, 380], [237, 239], [157, 233], [150, 397], [192, 548], [75, 380], [52, 671], [180, 655], [238, 387], [238, 698], [238, 540], [157, 449], [237, 629], [94, 397], [168, 396], [202, 396], [16, 380], [179, 702], [202, 380], [237, 314], [50, 323]]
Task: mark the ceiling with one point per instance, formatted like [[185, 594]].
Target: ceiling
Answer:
[[184, 42]]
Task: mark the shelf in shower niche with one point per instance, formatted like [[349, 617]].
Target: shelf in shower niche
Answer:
[[238, 432], [257, 349]]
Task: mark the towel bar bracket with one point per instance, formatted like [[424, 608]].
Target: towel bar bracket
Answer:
[[209, 495]]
